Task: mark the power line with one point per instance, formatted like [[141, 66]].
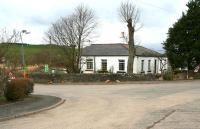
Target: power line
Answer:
[[152, 5]]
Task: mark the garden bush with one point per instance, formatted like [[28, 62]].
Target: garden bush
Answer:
[[102, 71], [18, 89], [30, 86], [1, 87], [168, 76]]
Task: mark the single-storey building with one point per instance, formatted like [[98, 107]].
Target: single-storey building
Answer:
[[114, 57]]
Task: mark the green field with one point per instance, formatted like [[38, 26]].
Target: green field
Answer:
[[34, 54]]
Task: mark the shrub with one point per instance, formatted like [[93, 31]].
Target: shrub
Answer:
[[158, 75], [18, 89], [1, 87], [30, 85], [168, 76], [102, 71], [121, 72]]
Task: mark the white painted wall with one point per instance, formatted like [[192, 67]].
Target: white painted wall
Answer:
[[152, 64], [155, 67], [113, 63]]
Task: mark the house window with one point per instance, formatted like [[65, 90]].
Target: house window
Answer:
[[121, 65], [149, 65], [155, 66], [142, 66], [104, 65], [89, 63]]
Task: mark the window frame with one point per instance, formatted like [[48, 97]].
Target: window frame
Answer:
[[149, 65], [142, 66], [121, 61], [91, 62], [104, 61]]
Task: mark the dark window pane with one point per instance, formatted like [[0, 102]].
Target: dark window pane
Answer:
[[149, 65], [104, 65], [121, 65], [142, 66], [89, 63]]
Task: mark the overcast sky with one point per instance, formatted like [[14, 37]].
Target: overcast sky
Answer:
[[37, 15]]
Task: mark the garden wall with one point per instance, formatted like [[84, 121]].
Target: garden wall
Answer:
[[183, 75], [61, 78]]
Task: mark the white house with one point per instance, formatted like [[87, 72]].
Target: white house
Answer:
[[114, 57]]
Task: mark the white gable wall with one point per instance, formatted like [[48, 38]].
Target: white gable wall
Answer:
[[155, 64], [146, 60]]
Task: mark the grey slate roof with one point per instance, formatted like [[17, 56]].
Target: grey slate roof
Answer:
[[116, 50]]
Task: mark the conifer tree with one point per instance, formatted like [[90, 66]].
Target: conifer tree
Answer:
[[183, 42]]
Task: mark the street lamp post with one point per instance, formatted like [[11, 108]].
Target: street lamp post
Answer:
[[22, 51]]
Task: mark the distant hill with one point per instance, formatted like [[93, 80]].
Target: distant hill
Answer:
[[34, 54]]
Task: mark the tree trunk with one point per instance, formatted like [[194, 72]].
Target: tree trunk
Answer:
[[78, 55], [73, 59], [131, 47]]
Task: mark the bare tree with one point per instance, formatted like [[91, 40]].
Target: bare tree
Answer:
[[72, 31], [130, 15], [163, 64], [9, 37], [6, 38]]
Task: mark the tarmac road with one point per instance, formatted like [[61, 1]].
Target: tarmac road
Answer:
[[167, 105]]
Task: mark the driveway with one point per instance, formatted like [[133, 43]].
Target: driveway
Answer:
[[168, 105]]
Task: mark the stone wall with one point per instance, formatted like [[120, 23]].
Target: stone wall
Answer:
[[61, 78], [183, 75]]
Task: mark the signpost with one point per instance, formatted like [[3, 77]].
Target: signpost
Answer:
[[46, 68], [25, 72]]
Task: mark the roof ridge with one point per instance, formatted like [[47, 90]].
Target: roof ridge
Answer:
[[107, 44], [123, 45], [117, 49], [150, 49]]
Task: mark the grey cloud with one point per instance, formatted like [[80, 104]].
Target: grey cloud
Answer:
[[152, 18]]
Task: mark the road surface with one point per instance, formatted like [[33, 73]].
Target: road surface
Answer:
[[168, 105]]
